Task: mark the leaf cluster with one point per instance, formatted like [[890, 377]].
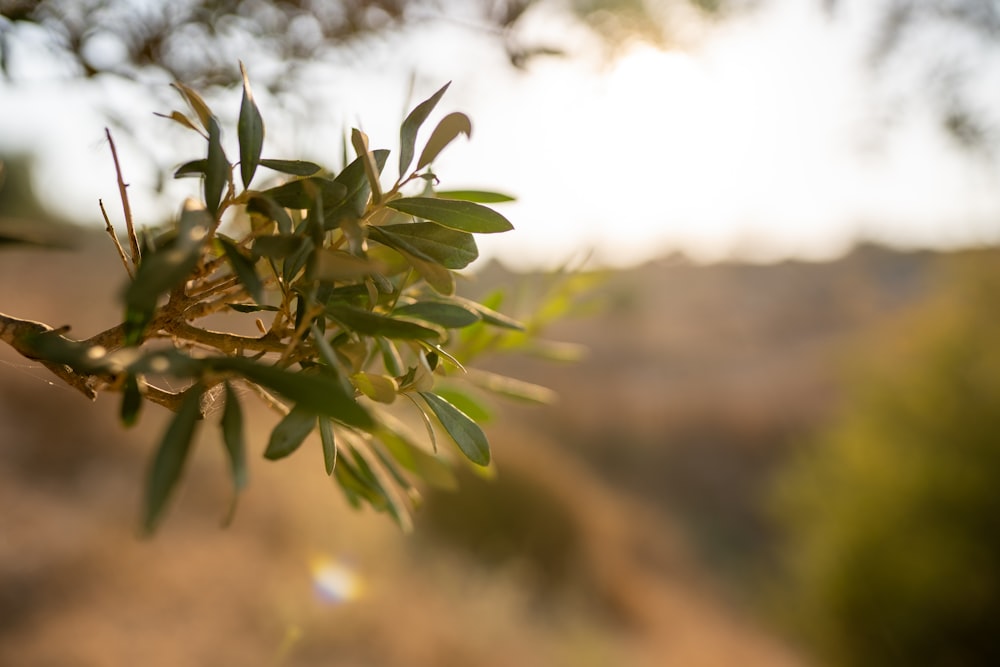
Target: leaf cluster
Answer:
[[350, 285]]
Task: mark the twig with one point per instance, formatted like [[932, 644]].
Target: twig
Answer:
[[300, 331], [224, 342], [268, 399], [114, 237], [19, 334], [129, 225]]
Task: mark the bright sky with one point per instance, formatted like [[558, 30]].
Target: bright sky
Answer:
[[760, 144]]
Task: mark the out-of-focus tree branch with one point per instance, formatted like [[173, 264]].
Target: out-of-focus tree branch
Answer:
[[947, 48], [197, 41]]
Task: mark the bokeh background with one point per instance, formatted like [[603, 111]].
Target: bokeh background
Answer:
[[768, 225]]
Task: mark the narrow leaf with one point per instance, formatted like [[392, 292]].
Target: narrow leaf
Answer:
[[319, 393], [232, 437], [491, 316], [329, 445], [455, 214], [411, 125], [300, 193], [293, 167], [337, 265], [290, 433], [164, 268], [216, 169], [197, 104], [250, 130], [447, 315], [357, 486], [512, 387], [466, 433], [251, 308], [373, 324], [478, 196], [244, 269], [360, 142], [431, 469], [354, 179], [475, 409], [171, 455], [264, 209], [192, 168], [279, 246], [446, 131], [180, 118], [429, 241], [131, 400], [437, 276]]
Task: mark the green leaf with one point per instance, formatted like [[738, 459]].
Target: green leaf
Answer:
[[447, 315], [131, 400], [290, 433], [329, 445], [279, 246], [180, 118], [411, 125], [171, 455], [266, 209], [244, 269], [250, 130], [293, 167], [476, 410], [354, 179], [360, 142], [429, 241], [337, 265], [357, 486], [383, 501], [455, 214], [216, 169], [478, 196], [300, 193], [431, 469], [294, 263], [164, 268], [447, 130], [320, 393], [466, 433], [379, 388], [491, 316], [391, 360], [197, 104], [251, 308], [192, 168], [512, 387], [437, 276], [374, 324], [232, 437]]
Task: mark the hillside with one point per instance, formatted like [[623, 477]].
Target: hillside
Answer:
[[625, 526]]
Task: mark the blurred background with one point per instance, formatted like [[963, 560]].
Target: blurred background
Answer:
[[770, 224]]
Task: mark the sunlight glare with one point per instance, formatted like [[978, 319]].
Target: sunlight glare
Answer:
[[335, 581]]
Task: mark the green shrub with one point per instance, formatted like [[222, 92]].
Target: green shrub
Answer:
[[893, 516]]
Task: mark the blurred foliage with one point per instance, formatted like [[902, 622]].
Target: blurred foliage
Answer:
[[893, 517], [949, 50], [356, 280], [196, 41]]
